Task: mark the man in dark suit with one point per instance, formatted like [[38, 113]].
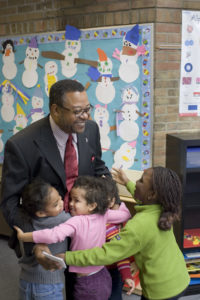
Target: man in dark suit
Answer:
[[38, 150]]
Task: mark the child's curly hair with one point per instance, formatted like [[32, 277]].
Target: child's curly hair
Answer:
[[111, 188], [168, 188], [35, 196], [95, 192]]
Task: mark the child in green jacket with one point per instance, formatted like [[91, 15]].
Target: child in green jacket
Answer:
[[148, 236]]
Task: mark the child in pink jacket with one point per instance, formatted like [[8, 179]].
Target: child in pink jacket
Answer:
[[87, 229]]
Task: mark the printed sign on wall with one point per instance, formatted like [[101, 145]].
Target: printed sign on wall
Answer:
[[189, 101]]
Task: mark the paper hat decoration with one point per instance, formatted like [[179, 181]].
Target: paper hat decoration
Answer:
[[102, 54], [93, 73], [129, 89], [33, 43], [7, 42], [7, 89], [72, 33], [133, 35], [20, 110], [38, 92], [132, 144]]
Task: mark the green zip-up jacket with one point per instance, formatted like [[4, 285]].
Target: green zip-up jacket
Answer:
[[163, 272]]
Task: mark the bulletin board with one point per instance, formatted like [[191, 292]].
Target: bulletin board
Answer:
[[115, 66]]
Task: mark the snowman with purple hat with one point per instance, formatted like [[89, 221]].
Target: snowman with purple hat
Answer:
[[37, 112], [129, 70], [72, 47], [30, 75]]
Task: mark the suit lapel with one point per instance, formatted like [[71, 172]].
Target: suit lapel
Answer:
[[47, 144], [82, 143]]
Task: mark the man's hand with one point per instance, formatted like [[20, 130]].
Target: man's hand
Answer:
[[47, 263]]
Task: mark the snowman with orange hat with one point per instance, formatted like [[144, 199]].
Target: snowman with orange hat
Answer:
[[20, 119], [105, 91]]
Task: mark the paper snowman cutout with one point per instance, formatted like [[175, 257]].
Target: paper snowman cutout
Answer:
[[72, 47], [20, 119], [1, 142], [129, 69], [30, 75], [50, 77], [101, 116], [105, 91], [124, 156], [37, 101], [130, 97], [128, 129], [7, 109], [9, 68]]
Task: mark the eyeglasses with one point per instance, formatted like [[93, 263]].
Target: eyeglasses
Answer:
[[79, 111]]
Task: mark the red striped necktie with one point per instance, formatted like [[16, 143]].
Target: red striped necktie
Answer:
[[71, 169]]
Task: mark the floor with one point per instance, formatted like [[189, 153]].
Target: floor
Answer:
[[10, 270]]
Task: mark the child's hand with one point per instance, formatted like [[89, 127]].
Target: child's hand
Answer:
[[119, 176], [61, 255], [20, 233], [131, 284], [24, 236]]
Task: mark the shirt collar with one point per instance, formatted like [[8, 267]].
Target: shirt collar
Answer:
[[60, 136], [150, 207]]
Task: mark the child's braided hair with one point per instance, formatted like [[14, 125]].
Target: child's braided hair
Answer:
[[167, 185]]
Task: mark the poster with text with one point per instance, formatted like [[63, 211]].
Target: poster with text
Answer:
[[189, 101]]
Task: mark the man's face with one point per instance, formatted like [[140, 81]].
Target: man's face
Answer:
[[69, 117]]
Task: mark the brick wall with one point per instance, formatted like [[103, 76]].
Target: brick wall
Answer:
[[27, 17]]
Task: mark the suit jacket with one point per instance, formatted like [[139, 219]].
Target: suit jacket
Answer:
[[33, 152]]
